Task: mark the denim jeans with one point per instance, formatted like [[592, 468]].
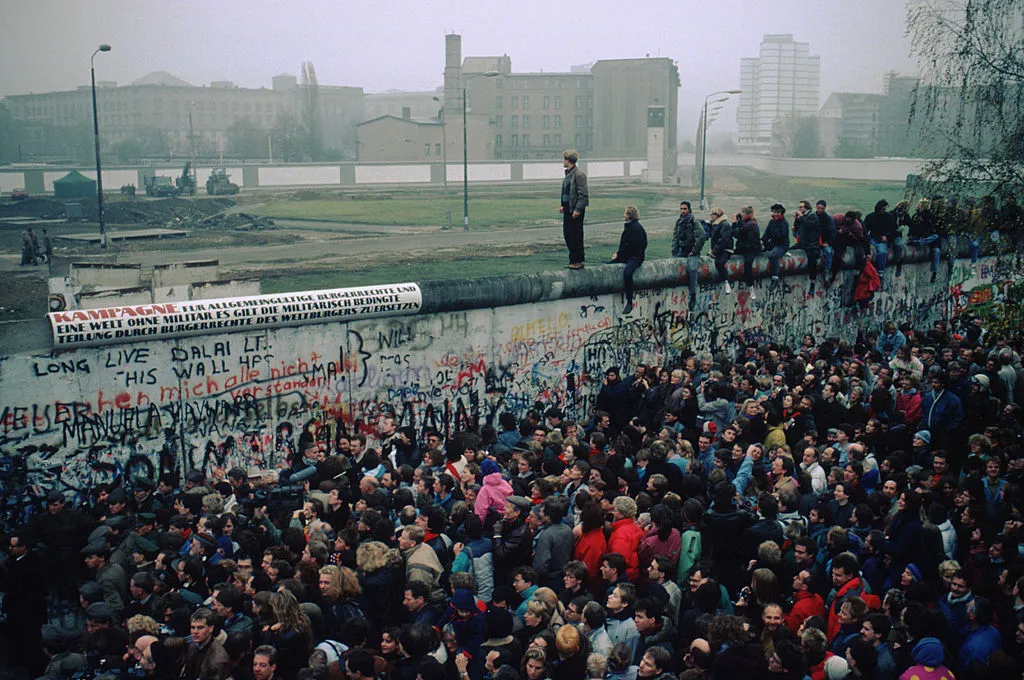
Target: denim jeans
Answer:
[[692, 273], [897, 247], [936, 247], [881, 255], [774, 257], [826, 258]]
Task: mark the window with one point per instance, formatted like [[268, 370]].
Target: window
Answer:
[[558, 121], [426, 150], [497, 140], [579, 102], [514, 122], [579, 121], [526, 101], [546, 122], [526, 121], [558, 140], [547, 140], [590, 103], [515, 140], [499, 121], [547, 101], [578, 140], [526, 140], [437, 149], [499, 83], [558, 101], [515, 102], [499, 101]]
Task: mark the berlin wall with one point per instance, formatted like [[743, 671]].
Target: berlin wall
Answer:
[[472, 350]]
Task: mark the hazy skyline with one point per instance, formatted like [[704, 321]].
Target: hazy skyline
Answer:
[[401, 45]]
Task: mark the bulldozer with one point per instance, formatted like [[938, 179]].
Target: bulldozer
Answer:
[[220, 184]]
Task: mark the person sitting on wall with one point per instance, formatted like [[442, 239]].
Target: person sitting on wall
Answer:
[[632, 250]]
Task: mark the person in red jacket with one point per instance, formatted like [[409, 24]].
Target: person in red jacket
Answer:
[[846, 579], [591, 543], [626, 535], [806, 602]]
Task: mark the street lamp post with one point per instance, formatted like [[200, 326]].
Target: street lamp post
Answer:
[[96, 140], [444, 141], [465, 148], [704, 140]]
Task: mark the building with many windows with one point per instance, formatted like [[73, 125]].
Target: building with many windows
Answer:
[[168, 113], [782, 83]]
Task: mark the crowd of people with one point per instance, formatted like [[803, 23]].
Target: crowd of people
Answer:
[[824, 238], [827, 511]]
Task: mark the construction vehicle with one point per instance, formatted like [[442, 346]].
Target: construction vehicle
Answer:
[[186, 183], [220, 184], [162, 187]]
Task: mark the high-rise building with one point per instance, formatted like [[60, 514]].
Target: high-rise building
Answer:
[[783, 82]]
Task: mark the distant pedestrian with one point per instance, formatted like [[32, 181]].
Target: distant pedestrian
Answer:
[[36, 252], [632, 250], [27, 252], [575, 199]]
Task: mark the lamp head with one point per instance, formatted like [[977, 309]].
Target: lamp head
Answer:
[[104, 48]]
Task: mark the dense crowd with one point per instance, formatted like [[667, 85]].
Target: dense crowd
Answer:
[[875, 239], [830, 510]]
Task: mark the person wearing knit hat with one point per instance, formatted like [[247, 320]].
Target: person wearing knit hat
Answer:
[[929, 658], [836, 668], [911, 575]]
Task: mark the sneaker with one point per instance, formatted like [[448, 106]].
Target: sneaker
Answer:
[[728, 288], [810, 291], [753, 295]]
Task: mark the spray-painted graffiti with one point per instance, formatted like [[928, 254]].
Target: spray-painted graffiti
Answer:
[[85, 416]]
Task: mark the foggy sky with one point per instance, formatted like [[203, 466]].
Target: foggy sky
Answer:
[[400, 44]]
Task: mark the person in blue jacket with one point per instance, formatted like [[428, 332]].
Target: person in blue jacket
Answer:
[[941, 411]]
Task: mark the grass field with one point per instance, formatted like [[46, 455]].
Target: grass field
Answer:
[[488, 207]]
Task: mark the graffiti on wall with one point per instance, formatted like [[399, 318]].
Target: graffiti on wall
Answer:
[[246, 399]]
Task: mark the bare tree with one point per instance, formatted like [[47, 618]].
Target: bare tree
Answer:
[[971, 97]]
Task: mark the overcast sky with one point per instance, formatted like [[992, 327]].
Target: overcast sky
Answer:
[[400, 44]]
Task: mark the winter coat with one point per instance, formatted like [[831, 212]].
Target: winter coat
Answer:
[[852, 587], [776, 235], [688, 237], [748, 237], [512, 549], [625, 540], [828, 228], [588, 550], [721, 236], [879, 226], [807, 230], [805, 603], [941, 412], [848, 234], [577, 192], [477, 558], [493, 493], [909, 403], [632, 243], [551, 552], [868, 283], [923, 224]]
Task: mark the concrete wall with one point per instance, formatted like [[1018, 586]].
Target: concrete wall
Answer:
[[478, 348]]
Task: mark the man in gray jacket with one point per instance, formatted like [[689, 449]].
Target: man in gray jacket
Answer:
[[554, 542], [575, 199]]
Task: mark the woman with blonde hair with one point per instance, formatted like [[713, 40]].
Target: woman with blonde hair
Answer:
[[632, 251], [548, 597], [289, 631], [536, 619], [340, 589]]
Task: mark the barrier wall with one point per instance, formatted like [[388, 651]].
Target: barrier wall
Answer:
[[478, 348]]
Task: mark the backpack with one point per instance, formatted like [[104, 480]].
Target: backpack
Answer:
[[689, 555], [483, 574]]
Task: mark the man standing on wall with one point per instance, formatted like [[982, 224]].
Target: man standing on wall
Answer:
[[575, 199]]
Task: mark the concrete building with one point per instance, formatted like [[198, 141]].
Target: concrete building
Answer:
[[850, 124], [782, 82], [600, 110], [403, 104], [158, 105], [387, 139]]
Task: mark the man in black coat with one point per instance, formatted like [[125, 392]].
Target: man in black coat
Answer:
[[25, 606], [632, 250]]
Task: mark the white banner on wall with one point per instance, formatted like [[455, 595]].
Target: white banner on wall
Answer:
[[133, 323]]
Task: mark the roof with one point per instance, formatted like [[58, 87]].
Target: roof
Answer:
[[412, 121], [74, 177], [161, 78]]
